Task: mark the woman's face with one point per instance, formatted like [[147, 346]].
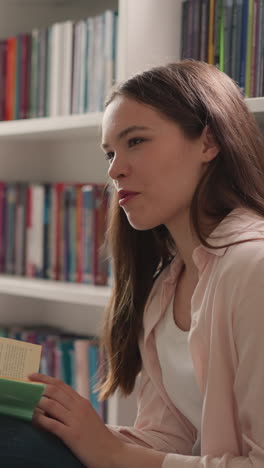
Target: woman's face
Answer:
[[153, 165]]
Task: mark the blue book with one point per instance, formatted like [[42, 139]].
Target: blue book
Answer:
[[93, 360], [236, 40], [88, 202], [242, 80], [66, 347]]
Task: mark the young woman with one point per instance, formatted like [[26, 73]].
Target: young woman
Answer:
[[186, 234]]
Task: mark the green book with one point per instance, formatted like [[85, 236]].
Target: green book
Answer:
[[18, 395], [19, 398]]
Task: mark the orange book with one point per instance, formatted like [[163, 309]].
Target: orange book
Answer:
[[211, 33], [10, 78]]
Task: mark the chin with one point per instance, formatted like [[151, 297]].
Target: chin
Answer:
[[142, 225]]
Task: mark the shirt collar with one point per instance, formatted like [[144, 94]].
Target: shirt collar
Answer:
[[240, 224]]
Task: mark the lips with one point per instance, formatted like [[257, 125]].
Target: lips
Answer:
[[125, 193]]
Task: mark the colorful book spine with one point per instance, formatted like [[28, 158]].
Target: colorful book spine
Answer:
[[88, 227], [10, 78], [244, 45], [211, 32], [249, 47], [3, 74]]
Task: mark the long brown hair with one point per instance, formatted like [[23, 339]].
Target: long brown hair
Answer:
[[192, 94]]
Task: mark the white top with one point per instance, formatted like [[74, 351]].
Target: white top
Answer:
[[177, 371]]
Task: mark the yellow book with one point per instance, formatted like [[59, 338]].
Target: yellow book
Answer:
[[18, 395]]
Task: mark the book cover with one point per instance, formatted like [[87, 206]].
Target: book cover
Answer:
[[67, 67], [227, 27], [253, 80], [72, 234], [236, 39], [2, 226], [98, 66], [90, 64], [217, 33], [59, 187], [260, 52], [79, 234], [184, 23], [204, 30], [52, 233], [65, 275], [100, 266], [10, 78], [81, 347], [244, 31], [11, 199], [82, 78], [211, 32], [3, 62], [249, 48], [25, 76], [34, 70], [55, 69], [46, 227], [42, 72], [16, 100], [75, 68], [93, 358], [196, 29], [20, 232], [19, 396], [88, 206]]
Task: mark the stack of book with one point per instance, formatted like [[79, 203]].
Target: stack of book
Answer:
[[54, 231], [230, 35], [74, 359], [65, 68]]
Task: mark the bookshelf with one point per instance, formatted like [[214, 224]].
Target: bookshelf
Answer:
[[66, 148]]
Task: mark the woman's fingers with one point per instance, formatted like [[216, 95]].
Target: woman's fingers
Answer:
[[54, 409], [56, 389]]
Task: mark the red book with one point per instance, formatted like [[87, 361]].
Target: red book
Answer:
[[25, 76], [10, 78]]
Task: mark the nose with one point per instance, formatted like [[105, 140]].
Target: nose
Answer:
[[119, 167]]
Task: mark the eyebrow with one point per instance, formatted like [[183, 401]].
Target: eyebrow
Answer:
[[126, 132]]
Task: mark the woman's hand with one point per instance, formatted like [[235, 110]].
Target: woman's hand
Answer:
[[66, 414]]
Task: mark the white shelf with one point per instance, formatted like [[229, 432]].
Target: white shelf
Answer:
[[52, 128], [73, 126], [71, 293], [256, 105]]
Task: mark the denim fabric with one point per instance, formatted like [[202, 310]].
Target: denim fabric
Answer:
[[23, 445]]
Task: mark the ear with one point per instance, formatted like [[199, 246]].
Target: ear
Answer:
[[210, 147]]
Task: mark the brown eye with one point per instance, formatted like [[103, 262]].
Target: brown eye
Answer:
[[135, 141]]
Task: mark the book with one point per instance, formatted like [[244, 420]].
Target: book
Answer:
[[211, 32], [249, 48], [18, 395]]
